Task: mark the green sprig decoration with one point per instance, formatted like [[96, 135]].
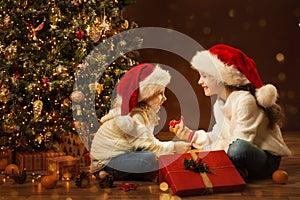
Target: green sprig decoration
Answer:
[[196, 165]]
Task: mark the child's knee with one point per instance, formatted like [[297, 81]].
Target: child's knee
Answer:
[[237, 148]]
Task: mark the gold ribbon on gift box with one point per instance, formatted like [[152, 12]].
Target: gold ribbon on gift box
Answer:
[[207, 183]]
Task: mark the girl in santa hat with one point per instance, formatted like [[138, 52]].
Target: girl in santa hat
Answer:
[[125, 146], [248, 119]]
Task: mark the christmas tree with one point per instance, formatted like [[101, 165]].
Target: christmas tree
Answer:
[[43, 45]]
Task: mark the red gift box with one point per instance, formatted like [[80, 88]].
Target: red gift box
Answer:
[[224, 177], [63, 164], [34, 161], [6, 154]]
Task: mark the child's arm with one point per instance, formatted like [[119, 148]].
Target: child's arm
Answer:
[[142, 137], [200, 139]]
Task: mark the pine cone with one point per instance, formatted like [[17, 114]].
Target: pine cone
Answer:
[[20, 177], [83, 180], [107, 181]]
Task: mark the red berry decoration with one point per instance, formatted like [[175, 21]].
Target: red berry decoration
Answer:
[[79, 34], [127, 186], [196, 165]]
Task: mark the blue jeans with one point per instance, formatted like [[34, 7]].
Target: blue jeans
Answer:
[[247, 156], [139, 165]]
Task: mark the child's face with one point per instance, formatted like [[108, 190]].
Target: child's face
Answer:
[[157, 100], [209, 84]]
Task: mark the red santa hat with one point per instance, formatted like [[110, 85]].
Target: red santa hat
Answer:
[[233, 67], [138, 84]]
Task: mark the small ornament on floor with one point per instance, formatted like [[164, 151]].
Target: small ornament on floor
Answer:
[[49, 181], [127, 186], [106, 179], [163, 186], [280, 176]]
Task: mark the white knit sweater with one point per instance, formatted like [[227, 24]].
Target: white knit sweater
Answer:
[[110, 141], [240, 117]]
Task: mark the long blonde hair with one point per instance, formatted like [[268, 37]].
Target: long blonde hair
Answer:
[[149, 116]]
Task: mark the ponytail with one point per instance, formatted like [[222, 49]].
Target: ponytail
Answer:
[[274, 113]]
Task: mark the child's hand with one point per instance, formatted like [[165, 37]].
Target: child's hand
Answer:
[[181, 147], [180, 130], [172, 124]]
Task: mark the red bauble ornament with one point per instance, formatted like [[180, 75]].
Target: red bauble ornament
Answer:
[[17, 74], [79, 34], [45, 82]]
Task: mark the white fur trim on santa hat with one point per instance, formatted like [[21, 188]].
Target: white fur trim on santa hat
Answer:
[[158, 79], [267, 95], [206, 62]]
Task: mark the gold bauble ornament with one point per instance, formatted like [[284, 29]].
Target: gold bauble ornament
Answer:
[[102, 174], [4, 94], [96, 86], [125, 24], [66, 102], [163, 186], [61, 70], [37, 108]]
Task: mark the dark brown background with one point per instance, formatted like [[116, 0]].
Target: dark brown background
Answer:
[[262, 29]]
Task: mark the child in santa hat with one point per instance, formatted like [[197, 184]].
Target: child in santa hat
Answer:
[[248, 119], [125, 146]]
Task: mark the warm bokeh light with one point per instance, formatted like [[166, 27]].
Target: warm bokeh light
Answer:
[[281, 76], [262, 23], [280, 57], [232, 13]]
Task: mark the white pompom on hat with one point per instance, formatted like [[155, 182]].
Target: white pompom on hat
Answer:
[[233, 67], [139, 83]]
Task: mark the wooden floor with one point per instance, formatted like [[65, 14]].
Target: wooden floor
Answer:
[[264, 189]]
